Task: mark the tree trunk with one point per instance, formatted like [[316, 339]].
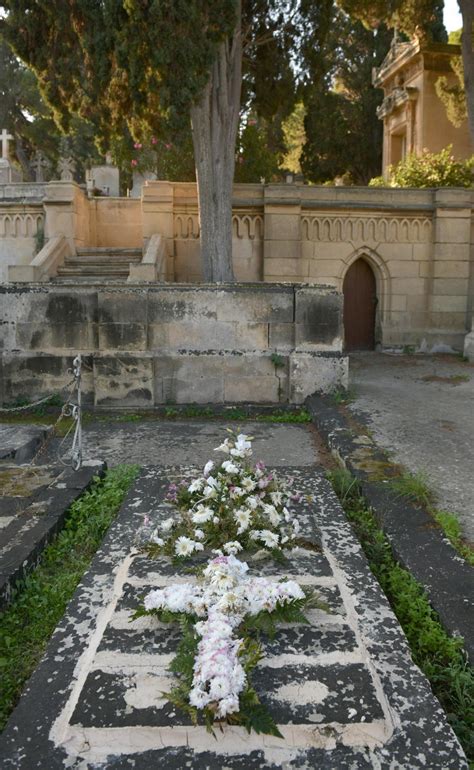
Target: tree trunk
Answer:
[[214, 120], [467, 46]]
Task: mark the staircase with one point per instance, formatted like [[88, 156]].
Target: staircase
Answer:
[[99, 264]]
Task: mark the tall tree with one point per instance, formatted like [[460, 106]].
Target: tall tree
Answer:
[[453, 95], [424, 18], [344, 135], [129, 64]]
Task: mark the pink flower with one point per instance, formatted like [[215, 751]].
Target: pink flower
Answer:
[[168, 146], [241, 160], [138, 145], [154, 140], [134, 162]]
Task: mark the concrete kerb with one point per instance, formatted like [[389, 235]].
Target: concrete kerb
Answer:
[[27, 534], [87, 703], [418, 544]]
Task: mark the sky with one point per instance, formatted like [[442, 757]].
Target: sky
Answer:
[[452, 17]]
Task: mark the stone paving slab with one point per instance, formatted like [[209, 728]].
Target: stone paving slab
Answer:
[[19, 443], [33, 507], [343, 689], [186, 442]]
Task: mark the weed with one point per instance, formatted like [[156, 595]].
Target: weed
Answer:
[[452, 529], [439, 656], [415, 487], [39, 602], [408, 350], [343, 395], [277, 360]]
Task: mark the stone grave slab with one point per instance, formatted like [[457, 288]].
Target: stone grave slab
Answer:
[[343, 689]]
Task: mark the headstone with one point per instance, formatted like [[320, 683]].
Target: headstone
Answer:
[[40, 164], [139, 179], [5, 166], [106, 178], [66, 168]]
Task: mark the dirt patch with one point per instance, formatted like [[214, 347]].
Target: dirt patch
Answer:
[[452, 379]]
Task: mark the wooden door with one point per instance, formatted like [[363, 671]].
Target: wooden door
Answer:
[[360, 299]]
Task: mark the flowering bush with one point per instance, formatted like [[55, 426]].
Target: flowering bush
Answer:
[[232, 506], [221, 615]]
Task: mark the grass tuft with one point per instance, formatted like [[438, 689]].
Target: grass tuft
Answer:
[[440, 656], [40, 600]]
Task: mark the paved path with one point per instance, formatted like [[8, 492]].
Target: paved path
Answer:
[[344, 690], [421, 408]]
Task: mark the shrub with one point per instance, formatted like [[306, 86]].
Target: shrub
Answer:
[[429, 170]]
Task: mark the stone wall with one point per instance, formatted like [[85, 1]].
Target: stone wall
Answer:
[[150, 345], [418, 243], [21, 217]]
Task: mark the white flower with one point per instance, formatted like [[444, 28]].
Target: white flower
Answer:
[[242, 517], [202, 514], [248, 484], [232, 547], [268, 538], [212, 485], [276, 498], [252, 502], [208, 468], [224, 447], [236, 492], [184, 546], [167, 524], [216, 520], [242, 447], [196, 485], [199, 534], [230, 468]]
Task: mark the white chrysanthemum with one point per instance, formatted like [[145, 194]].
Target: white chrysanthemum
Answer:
[[202, 514], [242, 517], [268, 538], [252, 502], [167, 524], [196, 485], [276, 498], [184, 546], [229, 467], [248, 484], [232, 547], [236, 492], [199, 534]]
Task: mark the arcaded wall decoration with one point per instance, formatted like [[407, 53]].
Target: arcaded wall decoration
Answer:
[[244, 225], [379, 229], [20, 224]]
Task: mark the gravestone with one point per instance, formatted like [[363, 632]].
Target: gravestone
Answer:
[[66, 168], [40, 165], [105, 178], [5, 165], [139, 179]]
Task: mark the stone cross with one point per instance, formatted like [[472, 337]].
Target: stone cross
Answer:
[[4, 139], [66, 167], [40, 164]]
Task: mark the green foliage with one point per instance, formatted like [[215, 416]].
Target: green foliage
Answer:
[[40, 600], [430, 170], [453, 95], [255, 159], [415, 487], [344, 135], [295, 138], [449, 523], [343, 395], [421, 17], [439, 656]]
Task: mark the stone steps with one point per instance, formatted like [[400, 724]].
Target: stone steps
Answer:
[[99, 262]]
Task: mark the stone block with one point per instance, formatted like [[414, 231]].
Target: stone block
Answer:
[[325, 267], [457, 286], [399, 302], [310, 373], [409, 286], [122, 336], [403, 268], [241, 364], [195, 390], [468, 349], [48, 337], [122, 307], [318, 318], [283, 226], [449, 321], [449, 304], [458, 252], [451, 269], [282, 250], [252, 389], [452, 230], [396, 251], [123, 381], [281, 336], [265, 304], [422, 252]]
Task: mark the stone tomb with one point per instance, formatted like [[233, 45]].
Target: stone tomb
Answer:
[[343, 689]]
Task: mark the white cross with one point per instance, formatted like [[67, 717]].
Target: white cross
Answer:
[[4, 139]]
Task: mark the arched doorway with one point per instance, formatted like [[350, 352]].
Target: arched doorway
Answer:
[[360, 300]]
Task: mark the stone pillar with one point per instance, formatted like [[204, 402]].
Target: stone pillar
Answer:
[[67, 213], [158, 217], [282, 252], [449, 295], [469, 343]]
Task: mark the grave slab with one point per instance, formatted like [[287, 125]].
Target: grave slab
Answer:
[[343, 689]]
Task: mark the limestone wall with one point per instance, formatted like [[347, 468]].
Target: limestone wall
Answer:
[[145, 345], [21, 216]]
